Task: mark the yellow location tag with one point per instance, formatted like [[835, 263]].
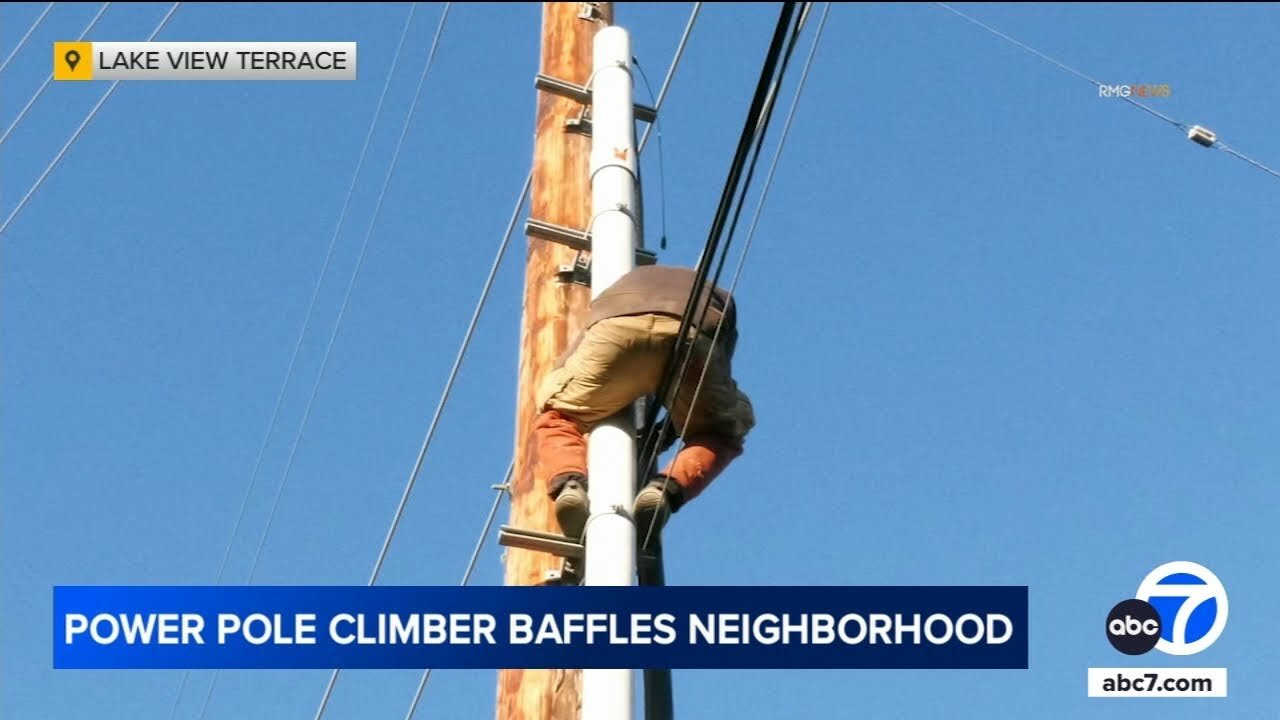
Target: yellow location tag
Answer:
[[72, 61]]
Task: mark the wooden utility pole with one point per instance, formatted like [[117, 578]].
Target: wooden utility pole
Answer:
[[554, 313]]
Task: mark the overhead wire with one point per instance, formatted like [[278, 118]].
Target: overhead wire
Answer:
[[1233, 152], [671, 69], [755, 220], [654, 431], [346, 299], [49, 78], [426, 443], [1060, 64], [306, 322], [79, 130], [662, 172], [342, 215], [1218, 145], [444, 397], [501, 492], [784, 36], [657, 100], [25, 37], [448, 389]]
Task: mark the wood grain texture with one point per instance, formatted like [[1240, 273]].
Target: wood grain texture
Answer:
[[554, 314]]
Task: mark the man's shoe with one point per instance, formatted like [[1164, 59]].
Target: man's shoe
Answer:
[[654, 506], [572, 509]]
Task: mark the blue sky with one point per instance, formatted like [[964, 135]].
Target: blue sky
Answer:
[[997, 330]]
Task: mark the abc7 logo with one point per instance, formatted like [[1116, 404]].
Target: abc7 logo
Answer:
[[1194, 606]]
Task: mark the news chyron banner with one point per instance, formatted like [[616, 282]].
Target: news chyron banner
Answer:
[[204, 60], [682, 627]]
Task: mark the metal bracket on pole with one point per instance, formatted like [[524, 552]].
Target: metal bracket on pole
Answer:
[[589, 11], [580, 125], [579, 273], [541, 541], [582, 95], [559, 545], [576, 239]]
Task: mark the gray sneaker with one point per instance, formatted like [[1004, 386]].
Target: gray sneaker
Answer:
[[653, 507], [572, 509]]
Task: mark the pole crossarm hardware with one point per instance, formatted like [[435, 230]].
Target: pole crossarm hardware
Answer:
[[577, 239], [556, 544], [581, 94]]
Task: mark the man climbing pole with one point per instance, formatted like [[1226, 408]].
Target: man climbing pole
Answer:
[[620, 357]]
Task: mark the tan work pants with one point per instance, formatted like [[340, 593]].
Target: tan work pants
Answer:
[[617, 361]]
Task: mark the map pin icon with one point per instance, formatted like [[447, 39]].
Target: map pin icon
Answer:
[[73, 58]]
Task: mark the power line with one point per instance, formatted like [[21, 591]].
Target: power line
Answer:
[[1230, 151], [346, 298], [76, 135], [1141, 106], [782, 142], [654, 432], [657, 125], [502, 491], [49, 78], [448, 389], [746, 248], [671, 71], [783, 42], [444, 397], [323, 271], [1064, 66], [23, 41], [755, 220], [315, 294], [662, 172]]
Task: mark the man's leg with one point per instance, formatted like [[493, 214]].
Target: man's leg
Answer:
[[702, 459], [714, 420], [611, 367], [561, 456]]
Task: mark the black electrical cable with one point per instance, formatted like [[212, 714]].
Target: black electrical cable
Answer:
[[742, 200], [752, 132]]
